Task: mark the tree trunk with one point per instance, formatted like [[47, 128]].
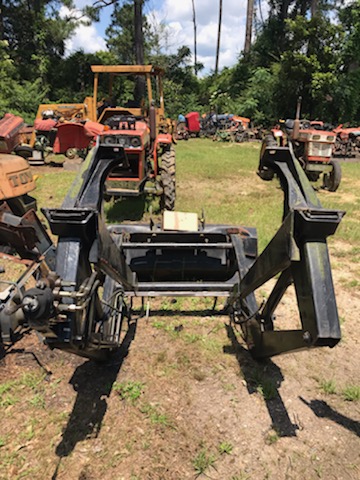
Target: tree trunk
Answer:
[[139, 49], [249, 23], [195, 40], [2, 20], [314, 8], [218, 39], [285, 9]]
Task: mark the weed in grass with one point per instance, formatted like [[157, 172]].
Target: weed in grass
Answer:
[[203, 461], [32, 379], [318, 470], [38, 401], [146, 445], [130, 391], [8, 400], [225, 447], [159, 324], [229, 387], [29, 432], [267, 389], [192, 337], [5, 387], [2, 442], [272, 437], [166, 305], [241, 476], [328, 386], [351, 393], [155, 416]]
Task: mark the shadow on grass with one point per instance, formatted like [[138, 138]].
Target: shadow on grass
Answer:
[[130, 208], [92, 382], [265, 378], [323, 410]]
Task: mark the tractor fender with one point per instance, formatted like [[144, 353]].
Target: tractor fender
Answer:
[[164, 139]]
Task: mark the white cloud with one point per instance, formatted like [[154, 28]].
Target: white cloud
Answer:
[[178, 16], [85, 37]]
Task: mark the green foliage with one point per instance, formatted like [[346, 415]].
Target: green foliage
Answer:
[[225, 447], [130, 391], [351, 393], [203, 461], [328, 386], [295, 53], [155, 416]]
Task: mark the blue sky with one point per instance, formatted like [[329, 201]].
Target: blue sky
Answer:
[[177, 16]]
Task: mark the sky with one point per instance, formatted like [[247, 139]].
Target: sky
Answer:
[[177, 16]]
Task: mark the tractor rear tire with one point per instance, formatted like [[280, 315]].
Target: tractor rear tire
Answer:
[[24, 151], [167, 180], [71, 153], [332, 180]]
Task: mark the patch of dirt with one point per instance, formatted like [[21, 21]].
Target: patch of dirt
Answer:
[[183, 399], [205, 404]]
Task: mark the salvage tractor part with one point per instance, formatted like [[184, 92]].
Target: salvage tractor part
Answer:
[[313, 148], [347, 141], [16, 181], [84, 288], [142, 130]]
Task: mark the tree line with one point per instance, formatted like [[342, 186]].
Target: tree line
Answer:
[[308, 48]]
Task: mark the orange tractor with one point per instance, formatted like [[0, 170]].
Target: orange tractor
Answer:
[[16, 181], [313, 148], [144, 133]]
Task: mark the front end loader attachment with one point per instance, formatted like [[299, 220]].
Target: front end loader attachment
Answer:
[[85, 292]]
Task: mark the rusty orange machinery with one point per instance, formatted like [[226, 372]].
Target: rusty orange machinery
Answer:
[[15, 177], [150, 72], [10, 131], [66, 112], [318, 144]]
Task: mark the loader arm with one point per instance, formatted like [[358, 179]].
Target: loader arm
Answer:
[[129, 260]]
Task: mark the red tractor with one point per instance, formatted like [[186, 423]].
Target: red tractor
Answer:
[[142, 131], [313, 148], [347, 141]]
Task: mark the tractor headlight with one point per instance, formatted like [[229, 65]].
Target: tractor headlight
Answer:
[[123, 141], [135, 142], [109, 140]]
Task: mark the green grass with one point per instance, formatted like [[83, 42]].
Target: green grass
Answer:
[[351, 393], [225, 448], [52, 187], [328, 386], [11, 392], [203, 461], [272, 437], [221, 179], [130, 391], [155, 416]]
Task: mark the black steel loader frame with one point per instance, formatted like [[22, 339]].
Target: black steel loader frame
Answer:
[[68, 309]]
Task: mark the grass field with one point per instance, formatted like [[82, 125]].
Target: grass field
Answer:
[[221, 179], [184, 399]]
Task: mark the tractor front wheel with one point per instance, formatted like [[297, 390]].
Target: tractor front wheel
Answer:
[[167, 180], [332, 180]]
